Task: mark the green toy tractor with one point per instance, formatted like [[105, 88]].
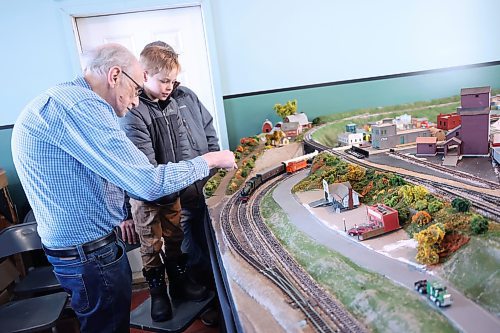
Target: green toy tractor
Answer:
[[435, 291]]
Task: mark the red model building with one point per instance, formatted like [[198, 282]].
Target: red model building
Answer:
[[448, 121], [383, 216], [267, 126]]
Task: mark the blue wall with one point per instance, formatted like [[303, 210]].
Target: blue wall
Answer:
[[263, 45], [245, 114]]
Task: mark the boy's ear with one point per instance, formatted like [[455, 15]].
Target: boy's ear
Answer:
[[145, 76]]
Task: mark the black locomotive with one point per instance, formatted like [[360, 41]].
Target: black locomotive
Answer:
[[258, 179]]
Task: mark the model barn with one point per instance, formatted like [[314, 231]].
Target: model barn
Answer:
[[267, 126]]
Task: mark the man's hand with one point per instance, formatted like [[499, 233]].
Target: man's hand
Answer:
[[220, 159], [128, 232]]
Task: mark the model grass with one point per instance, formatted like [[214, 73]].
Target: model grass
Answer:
[[372, 298]]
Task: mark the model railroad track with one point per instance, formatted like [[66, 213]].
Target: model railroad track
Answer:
[[455, 173], [482, 202], [251, 239]]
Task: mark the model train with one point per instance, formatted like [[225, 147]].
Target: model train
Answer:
[[289, 166]]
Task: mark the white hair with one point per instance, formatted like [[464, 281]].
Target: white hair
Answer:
[[100, 59]]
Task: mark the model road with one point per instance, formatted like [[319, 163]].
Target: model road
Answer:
[[467, 315]]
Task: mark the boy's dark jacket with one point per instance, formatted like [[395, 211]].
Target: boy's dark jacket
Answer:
[[201, 139], [158, 132]]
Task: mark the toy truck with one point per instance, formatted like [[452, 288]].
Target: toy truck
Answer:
[[435, 291]]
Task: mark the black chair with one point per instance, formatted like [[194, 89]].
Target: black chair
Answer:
[[21, 238], [32, 314], [36, 313]]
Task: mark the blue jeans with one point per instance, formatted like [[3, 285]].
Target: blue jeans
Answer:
[[100, 286], [195, 241]]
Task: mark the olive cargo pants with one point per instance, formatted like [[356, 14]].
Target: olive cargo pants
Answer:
[[157, 224]]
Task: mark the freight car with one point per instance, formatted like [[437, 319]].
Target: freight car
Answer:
[[289, 166], [358, 152], [298, 163]]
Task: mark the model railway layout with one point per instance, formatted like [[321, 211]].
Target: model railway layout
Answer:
[[480, 199], [251, 239]]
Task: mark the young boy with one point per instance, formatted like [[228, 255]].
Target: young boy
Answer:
[[155, 127]]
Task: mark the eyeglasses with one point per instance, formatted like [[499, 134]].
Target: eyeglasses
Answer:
[[138, 88]]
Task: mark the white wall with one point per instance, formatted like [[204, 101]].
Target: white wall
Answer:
[[270, 44]]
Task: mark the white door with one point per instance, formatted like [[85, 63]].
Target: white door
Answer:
[[182, 28]]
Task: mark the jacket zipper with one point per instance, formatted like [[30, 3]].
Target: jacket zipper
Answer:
[[188, 130], [170, 135]]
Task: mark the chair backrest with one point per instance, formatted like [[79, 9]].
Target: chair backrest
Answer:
[[30, 217], [19, 238]]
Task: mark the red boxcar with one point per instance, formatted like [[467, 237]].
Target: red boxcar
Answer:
[[295, 166]]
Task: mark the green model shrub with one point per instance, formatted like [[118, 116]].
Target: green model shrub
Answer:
[[479, 224], [460, 205]]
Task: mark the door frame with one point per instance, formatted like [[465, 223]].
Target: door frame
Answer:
[[70, 11]]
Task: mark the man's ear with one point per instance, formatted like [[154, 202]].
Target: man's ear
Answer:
[[113, 75], [145, 73]]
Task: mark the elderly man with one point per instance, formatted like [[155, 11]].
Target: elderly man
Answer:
[[74, 163]]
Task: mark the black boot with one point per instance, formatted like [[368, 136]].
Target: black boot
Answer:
[[181, 286], [161, 309]]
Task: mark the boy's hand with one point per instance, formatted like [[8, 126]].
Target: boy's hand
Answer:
[[128, 232]]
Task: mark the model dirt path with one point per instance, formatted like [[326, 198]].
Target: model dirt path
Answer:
[[467, 315]]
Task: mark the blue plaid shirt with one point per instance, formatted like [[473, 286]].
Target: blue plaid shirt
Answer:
[[74, 162]]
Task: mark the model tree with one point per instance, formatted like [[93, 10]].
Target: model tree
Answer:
[[421, 218], [286, 109], [411, 193], [460, 205], [479, 224], [429, 241]]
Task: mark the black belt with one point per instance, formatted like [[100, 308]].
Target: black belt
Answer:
[[87, 247]]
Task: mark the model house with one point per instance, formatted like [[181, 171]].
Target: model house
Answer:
[[349, 139], [403, 122], [420, 122], [448, 121], [300, 118], [426, 146], [292, 129], [341, 195]]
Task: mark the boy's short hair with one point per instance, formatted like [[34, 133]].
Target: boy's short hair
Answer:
[[162, 44], [155, 59]]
